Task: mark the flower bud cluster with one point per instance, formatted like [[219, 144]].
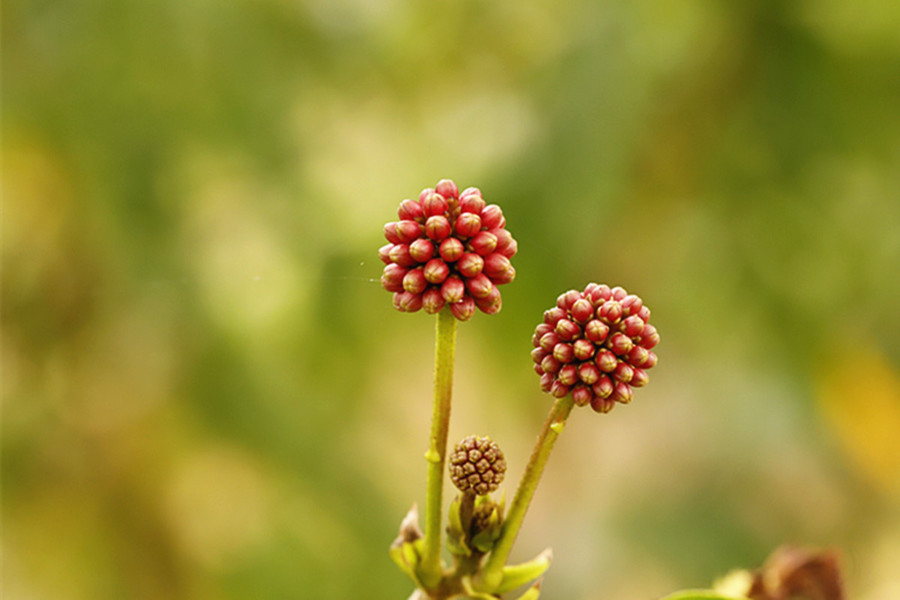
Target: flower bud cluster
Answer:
[[477, 464], [596, 345], [448, 248]]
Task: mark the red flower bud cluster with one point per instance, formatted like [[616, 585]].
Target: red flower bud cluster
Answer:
[[448, 248], [596, 345]]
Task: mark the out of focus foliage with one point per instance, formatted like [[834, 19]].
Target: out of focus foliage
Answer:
[[207, 395]]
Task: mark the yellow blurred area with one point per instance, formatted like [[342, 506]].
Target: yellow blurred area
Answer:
[[860, 398]]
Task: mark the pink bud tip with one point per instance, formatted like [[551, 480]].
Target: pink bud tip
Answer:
[[584, 349], [582, 395], [432, 301], [384, 253], [566, 300], [471, 204], [568, 374], [563, 352], [451, 249], [437, 227], [421, 250], [464, 309], [392, 277], [414, 281], [467, 225], [470, 264], [491, 216], [434, 204], [400, 255], [447, 188], [453, 290], [410, 210], [408, 231], [424, 194], [390, 233]]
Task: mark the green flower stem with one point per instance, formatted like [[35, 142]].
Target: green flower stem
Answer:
[[444, 353], [492, 572]]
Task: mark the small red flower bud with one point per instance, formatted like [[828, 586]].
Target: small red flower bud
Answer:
[[632, 305], [384, 253], [606, 360], [589, 373], [537, 367], [483, 243], [436, 271], [649, 337], [435, 204], [622, 393], [468, 224], [424, 194], [451, 249], [602, 405], [400, 255], [504, 237], [447, 188], [432, 301], [624, 372], [549, 364], [638, 356], [437, 227], [390, 233], [567, 330], [539, 331], [632, 326], [464, 309], [639, 378], [408, 231], [604, 387], [563, 352], [453, 289], [620, 343], [471, 204], [584, 349], [549, 340], [599, 293], [650, 362], [582, 395], [596, 331], [497, 266], [410, 210], [610, 311], [491, 216], [421, 250], [479, 286], [510, 249], [618, 293], [492, 303], [392, 277], [470, 191], [644, 314], [410, 302], [414, 281], [396, 297], [547, 380], [582, 310], [538, 354], [567, 299], [470, 264], [568, 374], [553, 315], [559, 390]]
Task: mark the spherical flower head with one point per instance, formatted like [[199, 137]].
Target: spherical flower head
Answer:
[[477, 465], [448, 249], [596, 345]]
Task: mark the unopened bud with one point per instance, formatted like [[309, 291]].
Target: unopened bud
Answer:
[[436, 271], [451, 249], [432, 301], [468, 224], [437, 227], [583, 348], [414, 281], [410, 210], [471, 204], [453, 289], [470, 264], [610, 311], [582, 395], [464, 309], [622, 393], [624, 372], [390, 233], [604, 387], [483, 243], [620, 343], [384, 253], [589, 373], [435, 204], [479, 286], [567, 330], [447, 188], [392, 277], [568, 374], [639, 378], [421, 250], [596, 331], [491, 216], [606, 360], [563, 352]]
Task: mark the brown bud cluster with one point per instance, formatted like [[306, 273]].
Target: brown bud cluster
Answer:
[[448, 248], [477, 464], [596, 345]]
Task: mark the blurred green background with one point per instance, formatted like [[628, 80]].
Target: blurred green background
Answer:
[[207, 394]]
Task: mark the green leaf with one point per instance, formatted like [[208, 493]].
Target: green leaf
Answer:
[[532, 593], [516, 575], [701, 595]]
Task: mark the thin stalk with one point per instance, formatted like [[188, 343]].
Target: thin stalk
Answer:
[[444, 353], [492, 572]]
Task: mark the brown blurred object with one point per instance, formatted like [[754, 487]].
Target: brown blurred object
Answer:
[[792, 573]]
